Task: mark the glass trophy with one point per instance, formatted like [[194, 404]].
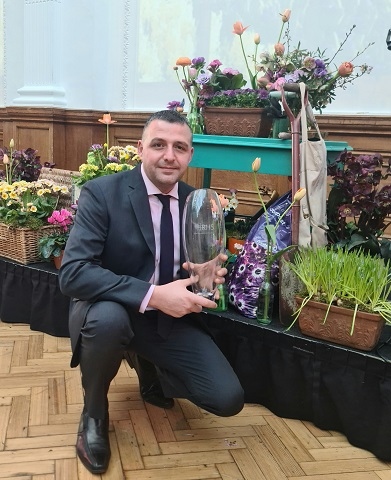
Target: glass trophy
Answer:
[[203, 239]]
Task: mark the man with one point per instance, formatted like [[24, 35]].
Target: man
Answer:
[[111, 269]]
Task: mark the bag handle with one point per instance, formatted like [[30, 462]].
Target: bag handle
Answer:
[[303, 115]]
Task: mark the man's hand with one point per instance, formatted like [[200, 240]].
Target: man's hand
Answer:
[[176, 300]]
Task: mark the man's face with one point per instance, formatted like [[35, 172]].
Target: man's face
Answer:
[[166, 151]]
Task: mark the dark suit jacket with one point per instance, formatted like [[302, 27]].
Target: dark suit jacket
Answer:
[[110, 254]]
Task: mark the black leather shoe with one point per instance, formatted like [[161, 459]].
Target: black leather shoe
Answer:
[[93, 446], [150, 388], [154, 395]]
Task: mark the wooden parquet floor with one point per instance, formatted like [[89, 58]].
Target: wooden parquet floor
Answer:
[[41, 401]]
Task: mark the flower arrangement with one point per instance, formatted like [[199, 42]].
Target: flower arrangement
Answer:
[[29, 204], [285, 65], [209, 85], [104, 160], [19, 164], [118, 159], [357, 207]]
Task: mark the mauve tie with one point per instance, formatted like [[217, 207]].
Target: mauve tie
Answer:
[[166, 265]]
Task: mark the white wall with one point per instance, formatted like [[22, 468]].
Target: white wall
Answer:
[[119, 54]]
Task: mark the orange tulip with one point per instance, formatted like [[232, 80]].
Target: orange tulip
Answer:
[[183, 62], [345, 69], [106, 119], [286, 15], [238, 28]]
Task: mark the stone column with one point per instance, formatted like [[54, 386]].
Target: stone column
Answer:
[[42, 36]]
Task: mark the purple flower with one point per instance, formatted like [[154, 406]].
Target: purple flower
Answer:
[[320, 72], [198, 62], [174, 104], [320, 63], [203, 78]]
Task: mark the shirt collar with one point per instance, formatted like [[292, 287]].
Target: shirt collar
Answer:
[[153, 190]]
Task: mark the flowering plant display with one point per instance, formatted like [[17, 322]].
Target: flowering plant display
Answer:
[[104, 160], [52, 245], [357, 205], [264, 299], [19, 164], [210, 85], [293, 65], [99, 164], [29, 204]]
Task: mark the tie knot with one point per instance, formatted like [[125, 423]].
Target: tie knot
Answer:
[[165, 199]]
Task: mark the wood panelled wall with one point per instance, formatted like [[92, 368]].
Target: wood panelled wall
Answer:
[[64, 136]]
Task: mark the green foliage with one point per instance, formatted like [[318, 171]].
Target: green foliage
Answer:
[[242, 98], [239, 229], [51, 245], [352, 279]]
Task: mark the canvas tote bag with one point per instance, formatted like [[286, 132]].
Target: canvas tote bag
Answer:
[[313, 177]]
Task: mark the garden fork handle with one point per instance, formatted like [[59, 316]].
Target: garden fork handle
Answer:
[[295, 130]]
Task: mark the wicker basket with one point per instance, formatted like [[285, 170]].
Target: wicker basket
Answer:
[[60, 177], [21, 244]]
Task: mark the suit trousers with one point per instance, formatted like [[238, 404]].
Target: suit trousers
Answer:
[[189, 363]]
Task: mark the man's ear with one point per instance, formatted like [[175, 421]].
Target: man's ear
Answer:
[[139, 147], [191, 155]]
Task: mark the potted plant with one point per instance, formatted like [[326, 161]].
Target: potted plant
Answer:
[[344, 295], [213, 91], [236, 233], [19, 164], [52, 246], [24, 210], [358, 207]]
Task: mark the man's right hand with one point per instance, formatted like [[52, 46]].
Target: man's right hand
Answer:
[[176, 300]]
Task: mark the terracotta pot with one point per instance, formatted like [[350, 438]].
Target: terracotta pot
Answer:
[[231, 241], [242, 122], [57, 260], [336, 328]]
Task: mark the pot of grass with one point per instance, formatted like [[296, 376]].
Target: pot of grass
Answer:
[[344, 298]]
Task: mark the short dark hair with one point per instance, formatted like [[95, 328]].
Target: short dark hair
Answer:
[[170, 116]]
